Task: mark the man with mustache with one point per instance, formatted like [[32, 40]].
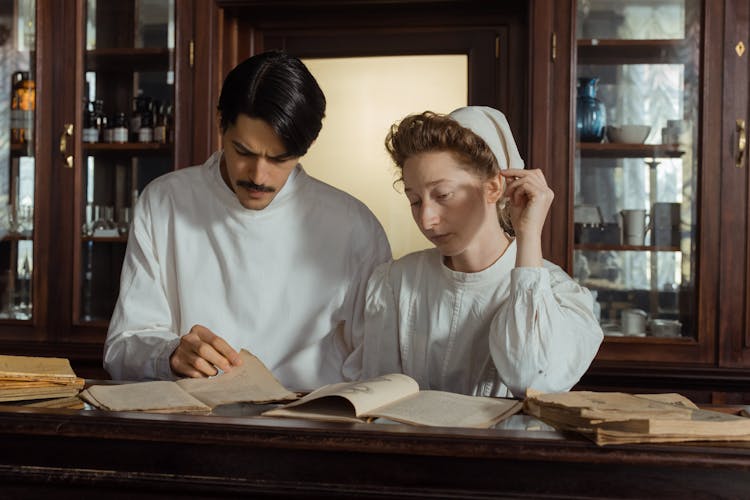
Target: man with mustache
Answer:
[[247, 250]]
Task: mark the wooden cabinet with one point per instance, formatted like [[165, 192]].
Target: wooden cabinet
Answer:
[[698, 72], [74, 273], [636, 174], [101, 67]]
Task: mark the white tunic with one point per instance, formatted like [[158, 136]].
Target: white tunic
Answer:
[[502, 329], [287, 283]]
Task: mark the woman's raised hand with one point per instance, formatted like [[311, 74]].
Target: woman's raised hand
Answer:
[[530, 198]]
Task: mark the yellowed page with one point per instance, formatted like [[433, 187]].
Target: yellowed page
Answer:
[[38, 368], [250, 382], [143, 396], [358, 398], [17, 383], [446, 409], [38, 393], [608, 405], [327, 408], [70, 402], [671, 398]]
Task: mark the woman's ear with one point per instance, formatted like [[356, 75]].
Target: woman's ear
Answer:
[[494, 188]]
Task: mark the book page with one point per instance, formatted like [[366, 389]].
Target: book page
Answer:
[[606, 437], [366, 395], [608, 405], [325, 408], [142, 396], [38, 368], [446, 409], [250, 382], [701, 423], [38, 393], [671, 398]]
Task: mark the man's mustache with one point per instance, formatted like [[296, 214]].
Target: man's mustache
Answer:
[[256, 187]]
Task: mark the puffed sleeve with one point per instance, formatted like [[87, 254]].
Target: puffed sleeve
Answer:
[[377, 351], [141, 334], [545, 335]]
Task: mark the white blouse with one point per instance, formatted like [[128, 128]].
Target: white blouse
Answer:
[[497, 332]]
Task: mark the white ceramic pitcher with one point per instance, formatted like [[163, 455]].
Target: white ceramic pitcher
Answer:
[[634, 226]]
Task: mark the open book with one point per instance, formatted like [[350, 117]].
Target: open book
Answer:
[[397, 397], [617, 418], [29, 378], [250, 382]]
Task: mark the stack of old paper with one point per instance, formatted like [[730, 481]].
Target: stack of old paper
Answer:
[[25, 378], [618, 418]]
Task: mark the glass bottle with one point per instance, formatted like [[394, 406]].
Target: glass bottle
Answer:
[[90, 131], [22, 106], [120, 129], [146, 131], [160, 123], [100, 119], [591, 116]]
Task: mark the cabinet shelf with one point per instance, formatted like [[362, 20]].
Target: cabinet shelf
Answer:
[[625, 248], [649, 339], [613, 52], [20, 150], [623, 150], [17, 237], [128, 60], [127, 147], [106, 239]]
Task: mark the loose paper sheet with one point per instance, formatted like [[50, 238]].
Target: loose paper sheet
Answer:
[[446, 409], [143, 396], [249, 382]]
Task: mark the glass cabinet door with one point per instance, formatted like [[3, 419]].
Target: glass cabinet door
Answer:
[[636, 166], [17, 131], [126, 133]]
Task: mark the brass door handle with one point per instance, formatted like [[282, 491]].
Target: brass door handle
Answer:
[[67, 132], [741, 143]]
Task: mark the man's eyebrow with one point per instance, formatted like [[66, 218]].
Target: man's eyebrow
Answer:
[[281, 157], [241, 146]]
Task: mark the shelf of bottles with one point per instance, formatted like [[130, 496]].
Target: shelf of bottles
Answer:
[[17, 165], [635, 171], [127, 135]]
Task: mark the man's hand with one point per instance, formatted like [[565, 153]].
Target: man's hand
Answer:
[[201, 352]]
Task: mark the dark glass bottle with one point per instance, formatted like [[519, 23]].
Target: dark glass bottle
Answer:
[[591, 116], [22, 106]]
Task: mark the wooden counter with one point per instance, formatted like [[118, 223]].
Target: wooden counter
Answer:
[[84, 454]]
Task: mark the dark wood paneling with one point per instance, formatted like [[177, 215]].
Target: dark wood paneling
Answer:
[[184, 122], [549, 131], [359, 28], [733, 297]]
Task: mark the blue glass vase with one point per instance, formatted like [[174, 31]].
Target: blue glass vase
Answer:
[[591, 116]]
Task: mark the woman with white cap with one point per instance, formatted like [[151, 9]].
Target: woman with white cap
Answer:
[[482, 313]]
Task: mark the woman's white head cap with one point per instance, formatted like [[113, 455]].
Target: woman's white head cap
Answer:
[[492, 126]]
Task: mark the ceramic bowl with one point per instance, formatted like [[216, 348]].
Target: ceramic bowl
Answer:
[[631, 134]]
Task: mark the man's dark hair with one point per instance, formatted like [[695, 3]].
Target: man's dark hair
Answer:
[[278, 89]]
